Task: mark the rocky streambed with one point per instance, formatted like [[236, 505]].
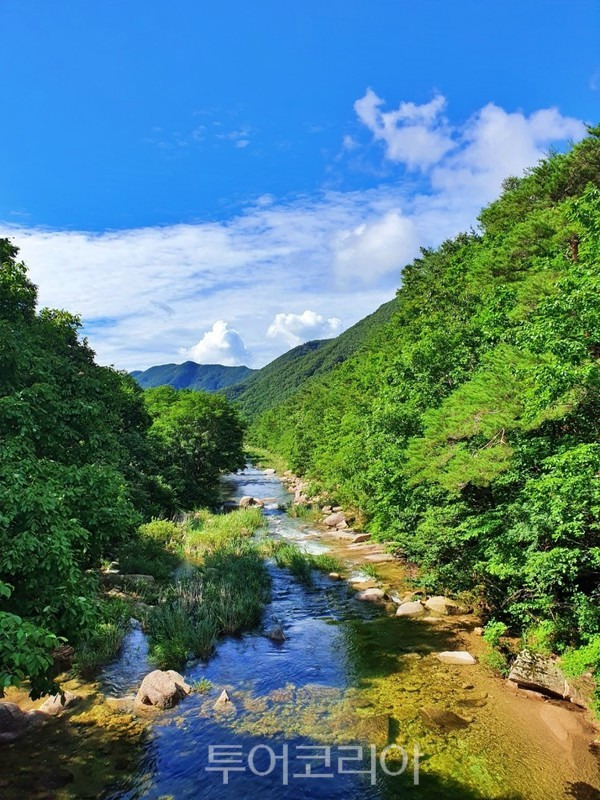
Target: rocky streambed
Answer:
[[359, 660]]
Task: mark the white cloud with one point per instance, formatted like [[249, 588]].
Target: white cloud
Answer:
[[416, 135], [297, 328], [373, 250], [146, 293], [220, 345]]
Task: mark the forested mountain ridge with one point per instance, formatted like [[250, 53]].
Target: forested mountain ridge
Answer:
[[85, 457], [189, 375], [277, 381], [468, 431]]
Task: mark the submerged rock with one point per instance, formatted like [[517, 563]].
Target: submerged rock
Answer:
[[459, 657], [162, 689], [411, 609], [276, 634], [441, 718], [58, 703], [371, 595]]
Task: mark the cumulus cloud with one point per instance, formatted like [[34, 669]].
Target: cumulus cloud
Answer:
[[145, 293], [375, 249], [297, 328], [417, 135], [220, 345]]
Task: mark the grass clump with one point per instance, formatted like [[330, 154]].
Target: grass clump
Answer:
[[154, 550], [301, 564], [226, 594], [305, 512], [208, 532], [104, 638]]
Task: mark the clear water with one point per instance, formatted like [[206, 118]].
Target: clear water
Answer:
[[346, 674]]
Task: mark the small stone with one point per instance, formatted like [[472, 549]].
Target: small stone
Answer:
[[459, 657], [224, 702], [58, 703], [335, 576], [361, 537]]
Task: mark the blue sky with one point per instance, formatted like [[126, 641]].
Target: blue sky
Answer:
[[224, 180]]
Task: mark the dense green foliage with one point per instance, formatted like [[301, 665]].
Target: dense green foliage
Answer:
[[466, 431], [82, 462], [195, 437], [277, 381], [189, 375]]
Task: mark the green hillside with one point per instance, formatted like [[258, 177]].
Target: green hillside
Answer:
[[468, 431], [278, 380], [189, 375]]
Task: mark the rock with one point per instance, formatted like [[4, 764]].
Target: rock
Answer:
[[361, 537], [460, 657], [379, 558], [371, 595], [58, 703], [14, 722], [334, 519], [412, 609], [163, 689], [327, 510], [442, 605], [335, 576], [374, 729], [63, 657], [542, 674], [247, 502], [341, 526], [337, 508], [441, 718], [276, 634], [269, 471], [478, 631], [224, 702]]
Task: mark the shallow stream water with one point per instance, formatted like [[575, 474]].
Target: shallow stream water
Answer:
[[347, 675]]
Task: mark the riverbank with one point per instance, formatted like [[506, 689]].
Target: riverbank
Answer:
[[345, 669]]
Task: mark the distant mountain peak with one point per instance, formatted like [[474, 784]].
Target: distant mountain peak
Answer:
[[190, 375]]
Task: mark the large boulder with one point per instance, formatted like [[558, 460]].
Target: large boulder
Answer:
[[14, 722], [542, 674], [442, 605], [162, 689], [411, 609], [58, 703], [334, 519]]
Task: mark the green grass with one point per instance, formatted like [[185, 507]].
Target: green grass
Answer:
[[305, 512], [208, 532], [370, 570], [103, 640], [300, 564], [226, 595], [155, 550]]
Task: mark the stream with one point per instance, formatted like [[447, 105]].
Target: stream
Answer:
[[348, 675]]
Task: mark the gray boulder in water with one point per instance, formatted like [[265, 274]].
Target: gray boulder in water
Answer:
[[162, 689]]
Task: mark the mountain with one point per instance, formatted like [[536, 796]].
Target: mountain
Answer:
[[274, 383], [201, 377]]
